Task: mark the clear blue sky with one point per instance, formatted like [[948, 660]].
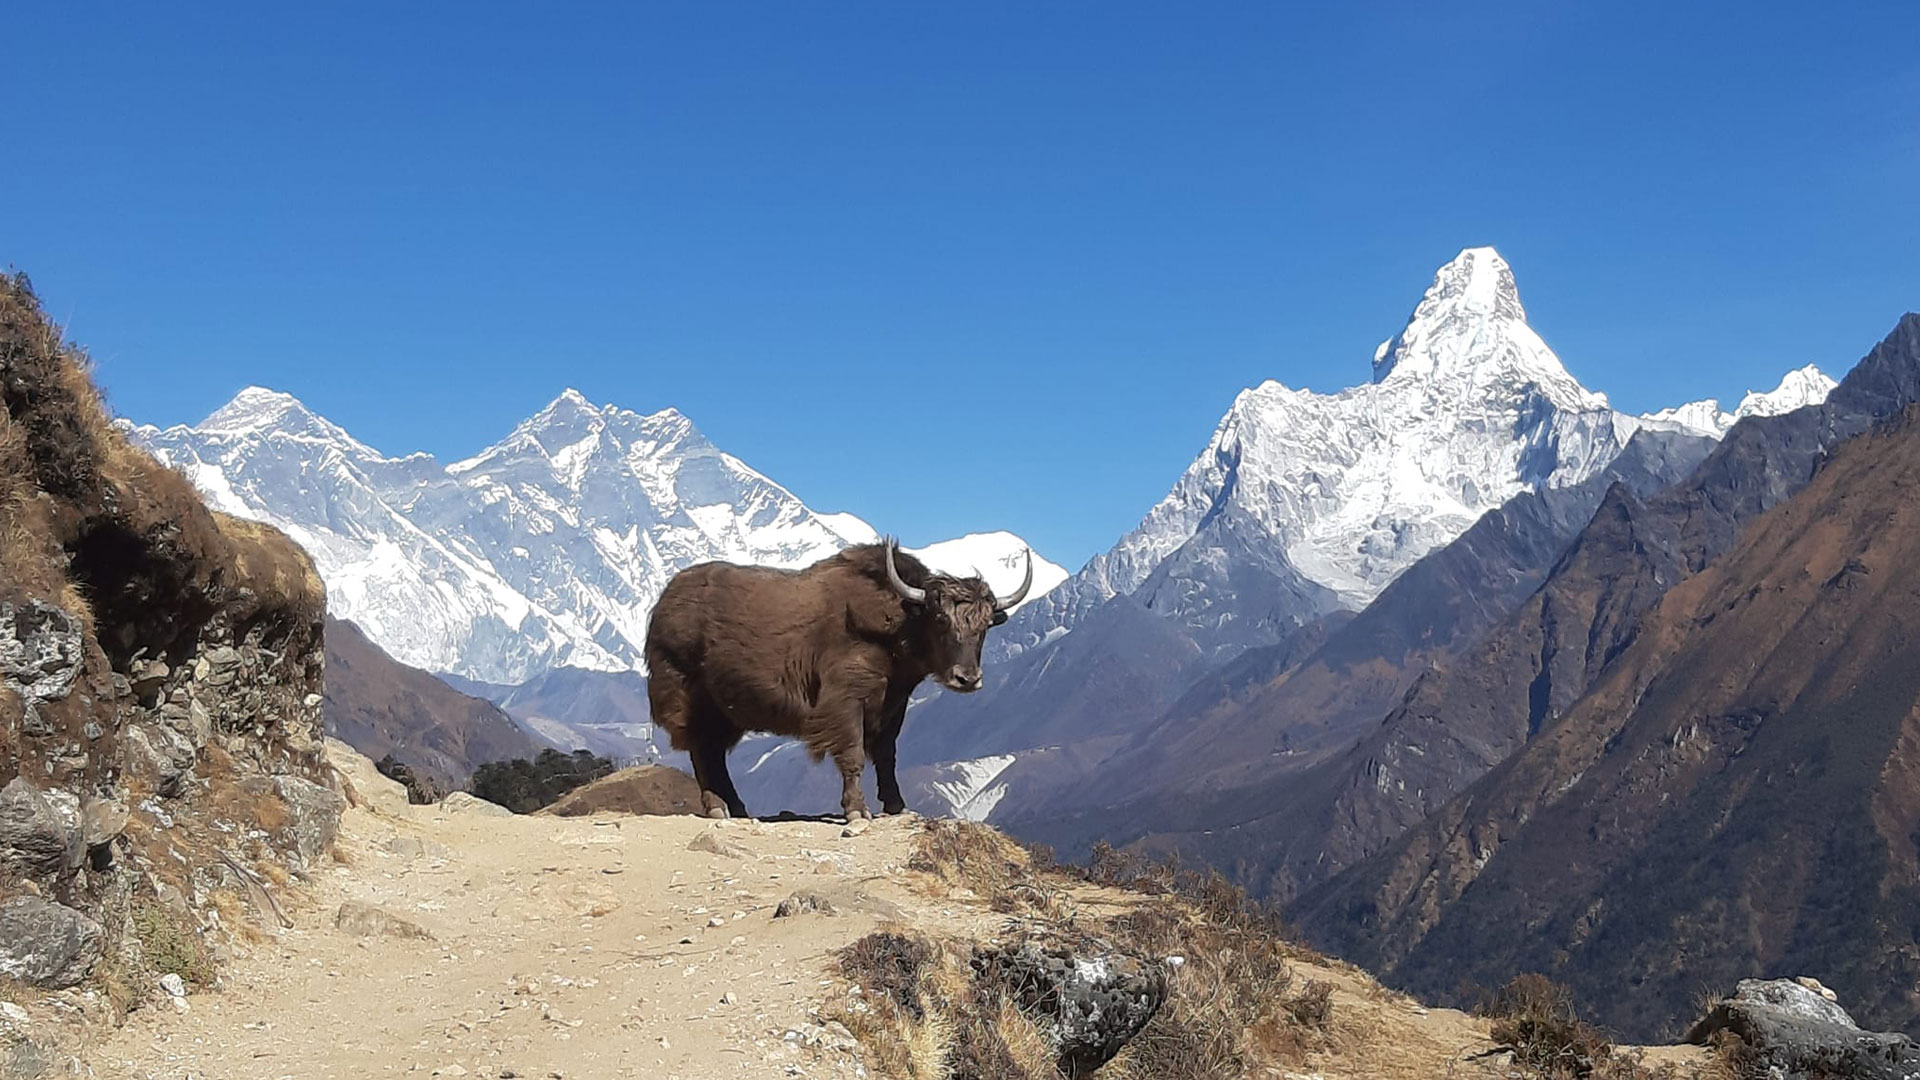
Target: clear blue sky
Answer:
[[951, 267]]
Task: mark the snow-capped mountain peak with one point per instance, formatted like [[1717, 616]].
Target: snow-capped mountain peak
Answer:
[[1312, 500], [999, 557], [1798, 389], [1470, 328], [547, 549]]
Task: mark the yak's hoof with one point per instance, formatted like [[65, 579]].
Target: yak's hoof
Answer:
[[718, 813], [859, 814], [892, 809]]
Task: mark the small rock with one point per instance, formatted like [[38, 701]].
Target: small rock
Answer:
[[101, 820], [450, 1070], [365, 920], [174, 985], [728, 998], [856, 827], [716, 921], [13, 1014], [711, 843], [803, 903]]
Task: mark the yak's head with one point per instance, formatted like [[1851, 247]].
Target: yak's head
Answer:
[[955, 615]]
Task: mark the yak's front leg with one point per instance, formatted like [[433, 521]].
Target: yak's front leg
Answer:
[[852, 761], [883, 749]]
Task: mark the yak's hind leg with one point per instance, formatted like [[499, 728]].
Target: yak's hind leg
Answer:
[[717, 793], [699, 731]]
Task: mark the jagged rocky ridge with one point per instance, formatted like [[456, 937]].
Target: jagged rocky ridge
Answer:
[[160, 669], [1756, 814]]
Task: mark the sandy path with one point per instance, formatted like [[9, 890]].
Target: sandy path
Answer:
[[606, 947], [598, 947]]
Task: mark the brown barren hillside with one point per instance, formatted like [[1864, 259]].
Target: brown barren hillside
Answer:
[[1736, 794], [161, 773]]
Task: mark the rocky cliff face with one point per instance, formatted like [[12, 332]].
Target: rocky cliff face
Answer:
[[160, 673]]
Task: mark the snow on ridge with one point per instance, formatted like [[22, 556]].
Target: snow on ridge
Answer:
[[1467, 407], [546, 549], [1798, 388], [967, 787], [999, 557]]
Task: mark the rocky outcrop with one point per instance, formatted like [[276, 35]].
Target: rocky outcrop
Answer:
[[1797, 1033], [160, 674], [1088, 1003], [46, 944]]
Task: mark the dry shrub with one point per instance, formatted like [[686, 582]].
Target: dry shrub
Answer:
[[890, 1017], [966, 855], [1534, 1020]]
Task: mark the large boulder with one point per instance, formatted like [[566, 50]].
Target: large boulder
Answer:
[[1799, 1034], [46, 944], [36, 839], [1087, 1003]]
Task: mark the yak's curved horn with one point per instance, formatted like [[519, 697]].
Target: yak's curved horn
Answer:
[[1007, 603], [906, 591]]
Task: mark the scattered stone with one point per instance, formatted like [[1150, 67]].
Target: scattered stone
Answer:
[[804, 902], [313, 814], [35, 840], [711, 842], [365, 920], [1087, 1005], [46, 944], [461, 802], [1801, 1032], [856, 827], [101, 820], [160, 754]]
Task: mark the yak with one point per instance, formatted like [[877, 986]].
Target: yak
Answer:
[[827, 654]]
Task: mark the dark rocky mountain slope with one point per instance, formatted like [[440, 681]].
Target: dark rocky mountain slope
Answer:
[[1733, 788], [380, 706]]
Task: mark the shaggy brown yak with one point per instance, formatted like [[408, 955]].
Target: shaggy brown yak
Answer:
[[827, 655]]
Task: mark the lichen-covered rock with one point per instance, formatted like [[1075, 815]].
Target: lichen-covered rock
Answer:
[[36, 840], [1087, 1002], [41, 650], [313, 813], [1800, 1033], [46, 944]]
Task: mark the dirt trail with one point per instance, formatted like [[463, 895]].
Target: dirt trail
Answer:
[[606, 947]]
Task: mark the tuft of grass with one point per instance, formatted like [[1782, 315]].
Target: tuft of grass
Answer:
[[170, 946]]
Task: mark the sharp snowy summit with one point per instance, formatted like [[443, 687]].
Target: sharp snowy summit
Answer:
[[547, 549], [1303, 502]]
